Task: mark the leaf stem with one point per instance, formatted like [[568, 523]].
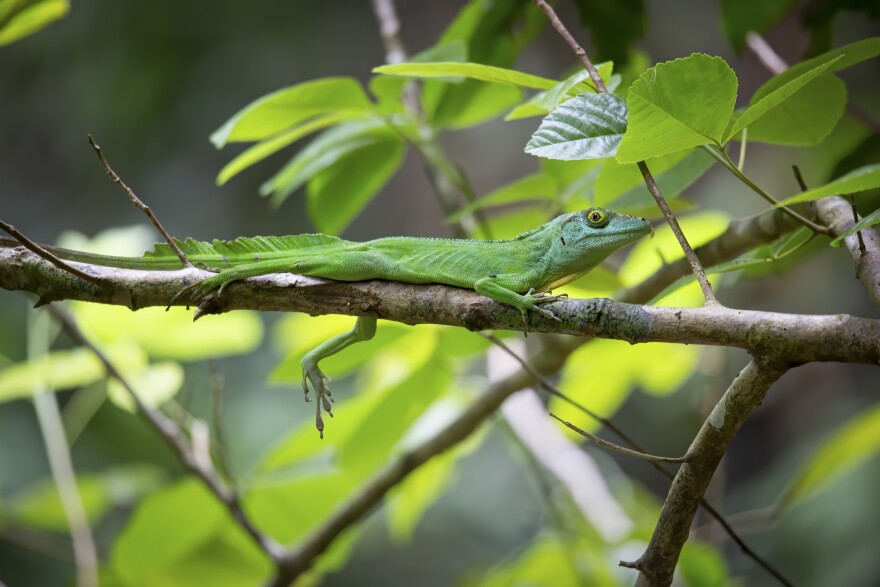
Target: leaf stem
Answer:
[[722, 157]]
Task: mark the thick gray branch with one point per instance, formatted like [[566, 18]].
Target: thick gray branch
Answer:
[[791, 337], [747, 391], [837, 214]]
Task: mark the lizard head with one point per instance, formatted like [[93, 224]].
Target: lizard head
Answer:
[[586, 237]]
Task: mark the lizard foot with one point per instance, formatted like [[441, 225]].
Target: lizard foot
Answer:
[[533, 299], [313, 377], [195, 293]]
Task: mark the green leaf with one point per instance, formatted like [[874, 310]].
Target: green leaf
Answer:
[[768, 102], [63, 370], [858, 180], [455, 71], [171, 334], [167, 527], [284, 108], [337, 194], [806, 118], [470, 103], [677, 105], [589, 126], [23, 18], [537, 186], [703, 566], [865, 223], [740, 17], [323, 152], [265, 148], [851, 54], [39, 505], [850, 445], [546, 562]]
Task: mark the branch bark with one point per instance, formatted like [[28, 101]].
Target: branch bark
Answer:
[[837, 213], [657, 564], [791, 337]]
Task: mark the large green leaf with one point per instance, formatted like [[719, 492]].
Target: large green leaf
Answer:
[[851, 54], [323, 152], [338, 193], [455, 71], [284, 108], [265, 148], [25, 17], [806, 118], [858, 180], [589, 126], [677, 105], [470, 103], [851, 445], [867, 222], [767, 103]]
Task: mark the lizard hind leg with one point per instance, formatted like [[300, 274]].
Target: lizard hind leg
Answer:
[[364, 329]]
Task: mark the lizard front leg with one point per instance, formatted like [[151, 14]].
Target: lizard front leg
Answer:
[[489, 287], [364, 329]]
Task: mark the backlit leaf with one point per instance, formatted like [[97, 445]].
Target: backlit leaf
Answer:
[[284, 108]]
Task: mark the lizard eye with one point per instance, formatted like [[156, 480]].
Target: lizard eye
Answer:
[[597, 218]]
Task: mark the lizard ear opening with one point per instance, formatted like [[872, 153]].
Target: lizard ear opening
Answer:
[[562, 238]]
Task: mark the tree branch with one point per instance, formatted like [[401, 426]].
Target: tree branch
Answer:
[[747, 391], [796, 338], [836, 212]]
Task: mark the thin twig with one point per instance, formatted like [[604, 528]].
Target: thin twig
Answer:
[[694, 262], [578, 50], [138, 203], [171, 433], [43, 253], [852, 200], [617, 448], [692, 258], [710, 509]]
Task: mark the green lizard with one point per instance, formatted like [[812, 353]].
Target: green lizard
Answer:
[[520, 271]]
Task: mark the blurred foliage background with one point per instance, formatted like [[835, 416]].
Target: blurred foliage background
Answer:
[[151, 81]]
